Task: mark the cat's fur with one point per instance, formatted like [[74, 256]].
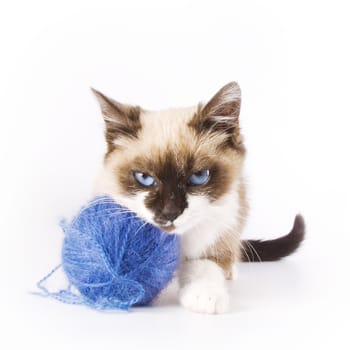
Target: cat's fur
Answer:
[[170, 145]]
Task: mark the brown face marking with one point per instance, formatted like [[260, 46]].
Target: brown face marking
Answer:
[[167, 199]]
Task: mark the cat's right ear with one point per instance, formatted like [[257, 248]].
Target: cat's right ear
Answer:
[[221, 115], [121, 120]]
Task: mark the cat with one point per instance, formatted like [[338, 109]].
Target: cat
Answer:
[[182, 170]]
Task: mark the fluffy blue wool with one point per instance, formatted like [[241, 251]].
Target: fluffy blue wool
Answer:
[[115, 259]]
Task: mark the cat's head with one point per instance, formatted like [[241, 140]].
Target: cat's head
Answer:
[[171, 166]]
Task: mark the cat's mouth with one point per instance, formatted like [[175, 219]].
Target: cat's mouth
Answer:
[[169, 227], [165, 225]]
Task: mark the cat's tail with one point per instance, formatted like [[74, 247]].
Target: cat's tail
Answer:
[[274, 249]]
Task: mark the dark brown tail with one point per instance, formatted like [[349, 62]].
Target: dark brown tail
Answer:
[[275, 249]]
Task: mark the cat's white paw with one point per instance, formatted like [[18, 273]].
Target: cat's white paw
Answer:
[[204, 298]]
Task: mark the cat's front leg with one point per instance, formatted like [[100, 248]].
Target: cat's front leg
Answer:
[[203, 287]]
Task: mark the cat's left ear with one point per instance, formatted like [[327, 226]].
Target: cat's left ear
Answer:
[[221, 114]]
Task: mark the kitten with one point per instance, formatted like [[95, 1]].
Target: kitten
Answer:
[[181, 170]]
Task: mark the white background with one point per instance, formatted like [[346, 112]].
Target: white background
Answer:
[[291, 59]]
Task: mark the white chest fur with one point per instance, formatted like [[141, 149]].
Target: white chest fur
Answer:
[[215, 219]]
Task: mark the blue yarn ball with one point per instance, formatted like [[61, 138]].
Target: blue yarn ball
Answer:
[[115, 259]]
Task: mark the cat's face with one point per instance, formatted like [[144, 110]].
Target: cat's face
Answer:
[[172, 166]]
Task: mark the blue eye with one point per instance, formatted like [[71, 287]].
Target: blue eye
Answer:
[[199, 178], [144, 179]]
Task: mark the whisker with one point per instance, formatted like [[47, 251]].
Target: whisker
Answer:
[[245, 252], [252, 249]]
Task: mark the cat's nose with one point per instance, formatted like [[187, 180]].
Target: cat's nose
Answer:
[[171, 215], [170, 212]]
